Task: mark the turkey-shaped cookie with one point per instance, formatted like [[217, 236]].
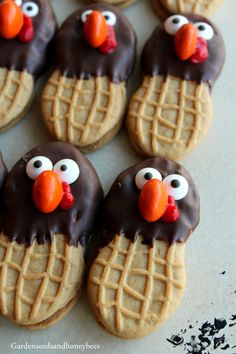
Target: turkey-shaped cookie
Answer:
[[51, 198], [165, 8], [26, 30], [138, 279], [84, 100], [171, 112]]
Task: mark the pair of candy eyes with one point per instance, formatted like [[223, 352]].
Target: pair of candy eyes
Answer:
[[67, 169], [177, 185], [175, 22], [28, 8], [109, 16]]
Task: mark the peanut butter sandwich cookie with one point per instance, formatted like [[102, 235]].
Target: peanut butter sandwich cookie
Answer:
[[120, 3], [171, 112], [165, 8], [84, 100], [51, 197], [138, 278], [26, 31]]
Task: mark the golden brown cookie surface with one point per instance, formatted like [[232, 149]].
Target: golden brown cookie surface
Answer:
[[200, 7], [138, 277], [24, 43], [170, 114], [50, 202], [84, 101]]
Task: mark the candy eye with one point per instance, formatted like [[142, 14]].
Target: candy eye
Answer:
[[37, 165], [68, 170], [145, 175], [174, 23], [85, 15], [177, 186], [204, 30], [110, 18], [30, 9], [18, 2]]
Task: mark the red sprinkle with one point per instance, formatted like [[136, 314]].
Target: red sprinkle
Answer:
[[110, 42], [27, 32], [172, 212], [201, 53], [66, 187], [68, 199]]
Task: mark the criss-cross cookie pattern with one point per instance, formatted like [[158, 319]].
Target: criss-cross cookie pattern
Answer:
[[16, 89], [120, 3], [82, 111], [191, 6], [128, 270], [169, 113], [34, 277]]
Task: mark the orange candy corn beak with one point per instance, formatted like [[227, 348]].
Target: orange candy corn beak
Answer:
[[11, 19], [47, 191], [95, 29], [153, 200], [186, 41]]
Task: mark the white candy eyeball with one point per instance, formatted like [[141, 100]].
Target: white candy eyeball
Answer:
[[177, 186], [37, 165], [85, 15], [110, 18], [204, 30], [174, 23], [145, 175], [68, 170], [30, 9], [18, 2]]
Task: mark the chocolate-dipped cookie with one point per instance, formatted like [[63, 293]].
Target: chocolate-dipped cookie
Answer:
[[51, 197], [26, 30], [84, 100], [138, 278], [171, 112]]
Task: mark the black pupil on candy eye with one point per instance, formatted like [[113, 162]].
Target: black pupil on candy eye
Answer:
[[201, 28], [175, 183], [148, 176], [29, 8], [175, 21], [63, 168], [38, 164], [107, 17]]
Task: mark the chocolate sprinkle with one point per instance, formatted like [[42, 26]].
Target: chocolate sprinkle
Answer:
[[208, 339], [176, 340]]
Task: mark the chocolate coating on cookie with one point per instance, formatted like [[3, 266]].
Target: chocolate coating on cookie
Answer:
[[32, 57], [76, 59], [159, 57], [3, 172], [23, 222], [122, 215]]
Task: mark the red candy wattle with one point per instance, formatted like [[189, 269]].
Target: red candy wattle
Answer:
[[110, 42], [68, 199], [201, 53], [27, 32], [172, 212]]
